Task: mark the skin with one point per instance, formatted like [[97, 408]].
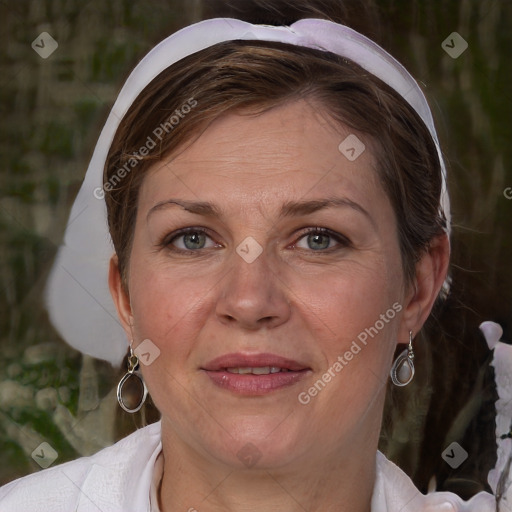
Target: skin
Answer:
[[296, 299]]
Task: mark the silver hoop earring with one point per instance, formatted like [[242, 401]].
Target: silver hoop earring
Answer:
[[402, 371], [131, 390]]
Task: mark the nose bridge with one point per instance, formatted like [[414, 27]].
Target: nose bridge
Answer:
[[250, 274], [252, 294]]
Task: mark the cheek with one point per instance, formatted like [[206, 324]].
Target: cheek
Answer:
[[167, 307], [169, 311], [354, 319], [345, 301], [357, 347]]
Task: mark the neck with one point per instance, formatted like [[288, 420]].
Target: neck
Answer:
[[342, 482]]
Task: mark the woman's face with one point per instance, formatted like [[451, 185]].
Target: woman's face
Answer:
[[266, 246]]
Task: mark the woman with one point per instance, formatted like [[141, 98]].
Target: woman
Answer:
[[277, 207]]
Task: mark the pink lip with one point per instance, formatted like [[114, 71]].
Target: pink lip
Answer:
[[250, 384], [236, 360]]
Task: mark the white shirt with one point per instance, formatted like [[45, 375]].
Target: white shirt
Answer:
[[125, 477]]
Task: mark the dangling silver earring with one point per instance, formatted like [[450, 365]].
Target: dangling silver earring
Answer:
[[402, 371], [132, 399]]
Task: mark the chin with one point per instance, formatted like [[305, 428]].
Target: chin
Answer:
[[263, 442]]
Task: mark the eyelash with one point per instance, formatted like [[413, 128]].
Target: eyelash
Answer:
[[343, 241], [167, 241]]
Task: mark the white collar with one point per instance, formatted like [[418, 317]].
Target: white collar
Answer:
[[394, 491]]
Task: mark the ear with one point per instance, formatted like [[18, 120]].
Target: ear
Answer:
[[120, 296], [431, 271]]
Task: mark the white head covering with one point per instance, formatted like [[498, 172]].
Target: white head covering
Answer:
[[77, 293]]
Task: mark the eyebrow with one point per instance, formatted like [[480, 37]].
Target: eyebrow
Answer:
[[199, 207], [292, 208], [288, 209]]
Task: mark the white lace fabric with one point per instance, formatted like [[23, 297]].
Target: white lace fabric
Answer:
[[500, 478]]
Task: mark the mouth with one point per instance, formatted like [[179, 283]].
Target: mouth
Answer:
[[256, 374], [257, 370]]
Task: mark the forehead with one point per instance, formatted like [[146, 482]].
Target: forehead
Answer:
[[295, 149]]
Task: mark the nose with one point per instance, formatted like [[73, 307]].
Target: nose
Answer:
[[252, 295]]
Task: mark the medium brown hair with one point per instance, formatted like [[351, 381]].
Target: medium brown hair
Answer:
[[255, 76]]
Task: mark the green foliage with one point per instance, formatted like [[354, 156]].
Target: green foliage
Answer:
[[57, 140]]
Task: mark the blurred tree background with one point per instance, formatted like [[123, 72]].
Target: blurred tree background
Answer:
[[52, 111]]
